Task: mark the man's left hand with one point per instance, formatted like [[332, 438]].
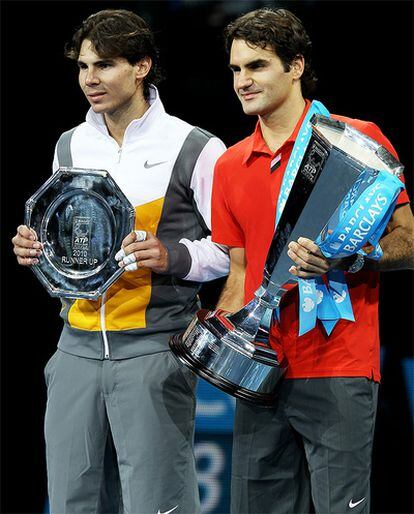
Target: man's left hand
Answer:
[[138, 253], [308, 259]]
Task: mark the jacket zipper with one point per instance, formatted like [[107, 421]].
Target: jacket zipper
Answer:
[[103, 327], [102, 310]]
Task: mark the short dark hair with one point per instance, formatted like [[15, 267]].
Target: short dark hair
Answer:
[[118, 33], [283, 32]]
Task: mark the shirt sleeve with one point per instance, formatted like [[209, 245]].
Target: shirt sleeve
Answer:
[[208, 260]]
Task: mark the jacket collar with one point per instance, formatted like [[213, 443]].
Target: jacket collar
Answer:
[[139, 126]]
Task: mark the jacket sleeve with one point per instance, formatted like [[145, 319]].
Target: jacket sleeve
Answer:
[[202, 260]]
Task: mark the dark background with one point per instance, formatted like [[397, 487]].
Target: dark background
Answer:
[[363, 54]]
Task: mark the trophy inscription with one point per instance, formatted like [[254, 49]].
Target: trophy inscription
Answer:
[[81, 237]]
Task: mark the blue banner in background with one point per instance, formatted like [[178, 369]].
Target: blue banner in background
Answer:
[[213, 443], [213, 458]]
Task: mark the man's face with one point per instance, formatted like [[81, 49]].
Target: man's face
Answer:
[[110, 85], [259, 78]]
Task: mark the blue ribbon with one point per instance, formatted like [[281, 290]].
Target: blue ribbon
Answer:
[[307, 305], [360, 219], [335, 302], [364, 220]]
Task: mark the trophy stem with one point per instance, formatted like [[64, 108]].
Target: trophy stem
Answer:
[[254, 317]]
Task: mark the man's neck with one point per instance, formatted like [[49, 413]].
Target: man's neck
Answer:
[[278, 125], [118, 121]]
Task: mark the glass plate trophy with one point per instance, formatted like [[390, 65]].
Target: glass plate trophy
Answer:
[[81, 217], [232, 352]]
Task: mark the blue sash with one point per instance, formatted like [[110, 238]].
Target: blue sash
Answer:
[[297, 155]]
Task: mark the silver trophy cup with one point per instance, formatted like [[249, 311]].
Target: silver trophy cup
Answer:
[[81, 217], [232, 351]]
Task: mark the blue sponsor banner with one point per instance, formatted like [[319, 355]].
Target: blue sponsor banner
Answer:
[[213, 443], [215, 409], [213, 460]]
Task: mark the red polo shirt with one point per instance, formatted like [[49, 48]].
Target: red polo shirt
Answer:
[[243, 215]]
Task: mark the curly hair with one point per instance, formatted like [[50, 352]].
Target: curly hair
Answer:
[[118, 33], [283, 32]]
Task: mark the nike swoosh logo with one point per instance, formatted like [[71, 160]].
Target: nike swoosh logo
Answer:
[[352, 505], [148, 166], [167, 511]]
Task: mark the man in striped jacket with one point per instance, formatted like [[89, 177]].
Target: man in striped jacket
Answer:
[[120, 407]]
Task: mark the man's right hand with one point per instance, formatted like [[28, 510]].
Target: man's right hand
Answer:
[[26, 246]]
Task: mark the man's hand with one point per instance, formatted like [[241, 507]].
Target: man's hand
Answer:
[[309, 260], [26, 246], [142, 250]]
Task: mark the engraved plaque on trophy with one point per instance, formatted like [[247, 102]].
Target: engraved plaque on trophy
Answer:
[[81, 217], [232, 351]]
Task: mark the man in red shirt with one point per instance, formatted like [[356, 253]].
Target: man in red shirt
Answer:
[[316, 441]]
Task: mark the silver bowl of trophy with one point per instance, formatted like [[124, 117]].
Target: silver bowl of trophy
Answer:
[[218, 351]]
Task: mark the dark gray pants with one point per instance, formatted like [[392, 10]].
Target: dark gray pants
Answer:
[[315, 444], [119, 435]]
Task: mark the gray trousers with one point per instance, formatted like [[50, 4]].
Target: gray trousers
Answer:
[[315, 446], [119, 435]]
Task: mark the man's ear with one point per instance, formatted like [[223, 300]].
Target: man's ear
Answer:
[[143, 67], [297, 67]]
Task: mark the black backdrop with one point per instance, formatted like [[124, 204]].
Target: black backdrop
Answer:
[[363, 53]]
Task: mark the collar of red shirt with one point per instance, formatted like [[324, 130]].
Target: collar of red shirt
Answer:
[[256, 143]]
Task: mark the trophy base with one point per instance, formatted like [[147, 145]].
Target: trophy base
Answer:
[[249, 374]]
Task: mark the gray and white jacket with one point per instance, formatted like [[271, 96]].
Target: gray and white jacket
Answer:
[[165, 169]]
